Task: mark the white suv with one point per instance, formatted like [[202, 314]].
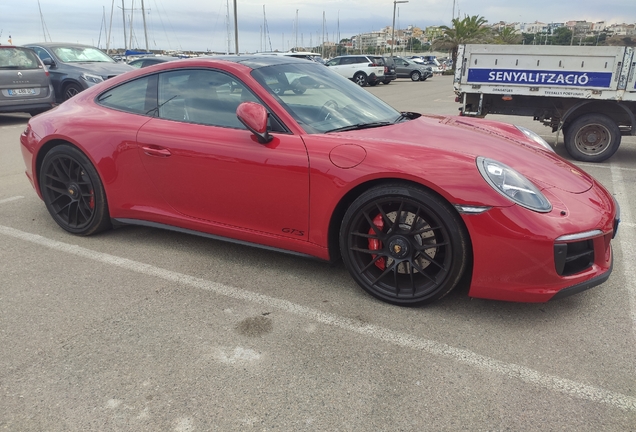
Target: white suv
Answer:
[[361, 69]]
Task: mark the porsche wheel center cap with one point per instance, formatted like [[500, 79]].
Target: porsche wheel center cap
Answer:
[[73, 191], [399, 247]]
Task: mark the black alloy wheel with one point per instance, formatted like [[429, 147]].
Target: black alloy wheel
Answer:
[[73, 192], [404, 245]]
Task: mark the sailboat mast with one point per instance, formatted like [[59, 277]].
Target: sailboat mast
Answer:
[[132, 9], [227, 24], [42, 20], [322, 51], [123, 12], [143, 14], [110, 26]]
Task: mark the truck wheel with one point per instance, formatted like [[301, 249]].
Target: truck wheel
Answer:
[[592, 138]]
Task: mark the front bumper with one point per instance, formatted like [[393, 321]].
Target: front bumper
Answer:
[[524, 260]]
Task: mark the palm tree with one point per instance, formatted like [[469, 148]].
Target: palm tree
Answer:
[[508, 36], [468, 30]]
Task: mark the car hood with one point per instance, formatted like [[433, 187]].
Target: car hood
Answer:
[[499, 141], [102, 69]]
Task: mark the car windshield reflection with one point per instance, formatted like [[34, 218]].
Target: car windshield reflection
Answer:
[[322, 101]]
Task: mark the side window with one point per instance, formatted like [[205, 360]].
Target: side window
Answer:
[[202, 96], [42, 53], [333, 62], [135, 97]]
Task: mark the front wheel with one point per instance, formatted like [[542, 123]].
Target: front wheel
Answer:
[[73, 192], [592, 138], [415, 76], [404, 245], [71, 90]]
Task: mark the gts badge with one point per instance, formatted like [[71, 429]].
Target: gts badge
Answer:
[[293, 231]]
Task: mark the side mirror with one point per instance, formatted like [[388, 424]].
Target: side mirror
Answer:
[[48, 61], [254, 117]]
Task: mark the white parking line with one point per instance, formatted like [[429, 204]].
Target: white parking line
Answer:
[[6, 200], [611, 166], [510, 370], [627, 239]]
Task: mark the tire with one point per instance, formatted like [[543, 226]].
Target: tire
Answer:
[[387, 82], [415, 76], [73, 192], [386, 255], [424, 78], [71, 90], [592, 138], [374, 83], [299, 90], [360, 78]]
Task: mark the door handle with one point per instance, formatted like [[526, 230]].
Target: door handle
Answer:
[[156, 151]]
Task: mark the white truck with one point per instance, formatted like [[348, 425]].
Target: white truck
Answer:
[[588, 93]]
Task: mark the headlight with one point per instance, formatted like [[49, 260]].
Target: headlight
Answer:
[[535, 137], [513, 185], [91, 78]]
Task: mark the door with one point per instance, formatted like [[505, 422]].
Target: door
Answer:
[[208, 166]]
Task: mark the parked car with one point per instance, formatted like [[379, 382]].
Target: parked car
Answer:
[[429, 61], [150, 60], [360, 69], [389, 68], [25, 85], [74, 68], [409, 69], [414, 204]]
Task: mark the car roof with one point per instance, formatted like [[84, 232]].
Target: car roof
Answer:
[[255, 61], [59, 44]]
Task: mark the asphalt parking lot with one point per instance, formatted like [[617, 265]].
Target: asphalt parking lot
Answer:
[[139, 329]]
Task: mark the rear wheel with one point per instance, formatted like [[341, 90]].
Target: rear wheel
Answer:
[[360, 78], [73, 192], [592, 138], [404, 245]]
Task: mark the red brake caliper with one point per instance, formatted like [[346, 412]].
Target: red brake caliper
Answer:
[[375, 244]]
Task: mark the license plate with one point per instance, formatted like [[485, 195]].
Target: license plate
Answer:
[[20, 92]]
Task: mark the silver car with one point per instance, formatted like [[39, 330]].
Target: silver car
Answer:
[[24, 82], [75, 67]]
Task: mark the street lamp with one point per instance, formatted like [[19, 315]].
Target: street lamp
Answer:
[[395, 2]]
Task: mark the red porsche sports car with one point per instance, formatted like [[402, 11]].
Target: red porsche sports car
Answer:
[[285, 154]]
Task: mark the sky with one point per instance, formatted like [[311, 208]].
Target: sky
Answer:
[[201, 25]]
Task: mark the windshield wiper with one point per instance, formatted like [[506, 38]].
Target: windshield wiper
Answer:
[[360, 126]]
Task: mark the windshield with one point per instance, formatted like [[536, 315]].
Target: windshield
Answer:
[[322, 101], [75, 54], [18, 58]]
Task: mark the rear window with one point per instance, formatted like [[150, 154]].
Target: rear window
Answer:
[[18, 58]]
